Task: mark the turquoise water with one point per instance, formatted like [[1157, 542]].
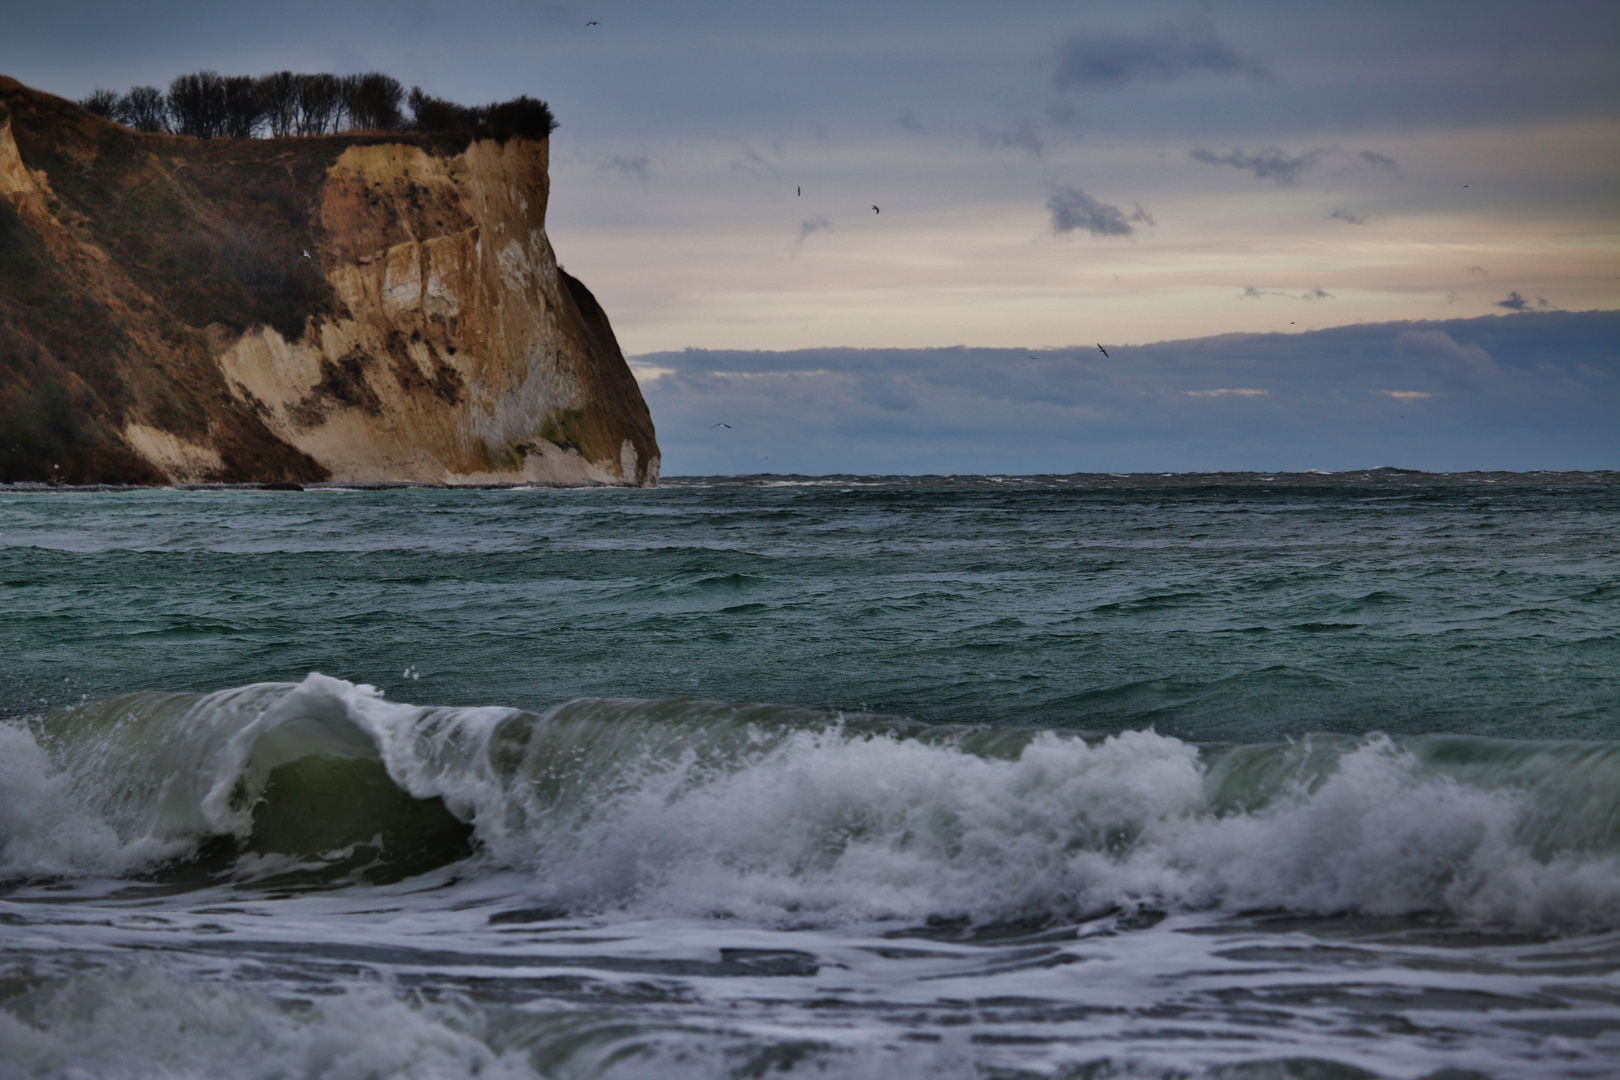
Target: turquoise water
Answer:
[[988, 776]]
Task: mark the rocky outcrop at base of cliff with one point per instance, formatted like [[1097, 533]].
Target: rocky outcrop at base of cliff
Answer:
[[360, 307]]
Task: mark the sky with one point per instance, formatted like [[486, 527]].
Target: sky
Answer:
[[1046, 176]]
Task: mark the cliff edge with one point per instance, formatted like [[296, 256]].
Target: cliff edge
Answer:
[[356, 307]]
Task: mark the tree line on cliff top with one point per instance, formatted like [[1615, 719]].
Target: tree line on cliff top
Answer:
[[209, 105]]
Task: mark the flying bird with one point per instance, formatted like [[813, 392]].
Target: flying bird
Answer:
[[798, 190], [593, 22], [875, 210], [1101, 349], [306, 253], [726, 426]]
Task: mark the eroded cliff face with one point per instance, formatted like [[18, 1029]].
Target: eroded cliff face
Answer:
[[359, 307]]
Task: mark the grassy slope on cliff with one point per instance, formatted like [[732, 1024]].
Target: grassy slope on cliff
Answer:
[[198, 233]]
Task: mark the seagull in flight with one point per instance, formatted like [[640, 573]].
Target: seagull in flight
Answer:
[[593, 22], [875, 210], [1101, 349], [726, 426], [306, 253]]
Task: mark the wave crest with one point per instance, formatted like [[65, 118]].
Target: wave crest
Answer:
[[699, 808]]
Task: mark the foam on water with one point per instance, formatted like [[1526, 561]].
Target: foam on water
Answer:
[[143, 1023], [694, 809]]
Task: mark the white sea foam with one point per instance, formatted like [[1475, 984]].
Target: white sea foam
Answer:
[[828, 828], [615, 805], [46, 827], [141, 1024]]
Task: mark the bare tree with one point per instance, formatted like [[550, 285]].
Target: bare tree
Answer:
[[373, 101], [243, 106], [197, 104], [279, 94], [101, 102], [320, 103], [207, 105], [143, 109]]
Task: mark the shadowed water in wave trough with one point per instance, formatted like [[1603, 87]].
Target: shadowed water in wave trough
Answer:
[[1078, 781]]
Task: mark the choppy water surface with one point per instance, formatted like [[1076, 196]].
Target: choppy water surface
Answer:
[[1063, 776]]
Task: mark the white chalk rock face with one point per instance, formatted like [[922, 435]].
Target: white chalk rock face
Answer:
[[458, 351]]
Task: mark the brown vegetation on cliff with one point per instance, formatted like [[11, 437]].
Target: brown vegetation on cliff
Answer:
[[133, 267]]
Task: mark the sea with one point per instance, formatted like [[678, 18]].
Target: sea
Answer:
[[1270, 776]]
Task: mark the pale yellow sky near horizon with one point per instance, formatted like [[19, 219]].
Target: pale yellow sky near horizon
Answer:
[[1226, 253]]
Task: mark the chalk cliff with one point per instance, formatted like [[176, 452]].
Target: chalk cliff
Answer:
[[360, 307]]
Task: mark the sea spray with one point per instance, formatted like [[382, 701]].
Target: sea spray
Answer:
[[691, 808]]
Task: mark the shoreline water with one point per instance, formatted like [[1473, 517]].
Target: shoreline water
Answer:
[[1071, 777], [1312, 477]]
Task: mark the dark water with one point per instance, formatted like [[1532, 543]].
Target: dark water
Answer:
[[1058, 776]]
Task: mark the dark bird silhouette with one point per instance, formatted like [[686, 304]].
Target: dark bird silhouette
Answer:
[[726, 426], [875, 210], [593, 22], [798, 191], [1102, 350]]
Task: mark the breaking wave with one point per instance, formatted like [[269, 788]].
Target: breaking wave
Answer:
[[699, 808]]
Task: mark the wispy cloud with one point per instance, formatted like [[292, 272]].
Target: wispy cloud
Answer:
[[1275, 163], [1074, 210], [812, 225], [1253, 293], [1404, 395], [1515, 302], [1229, 392], [635, 166], [1161, 53], [1021, 136], [1272, 164]]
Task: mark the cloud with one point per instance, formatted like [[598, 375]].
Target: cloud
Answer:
[[1073, 209], [634, 166], [1443, 361], [1021, 136], [1347, 217], [1270, 164], [1165, 52], [1252, 293], [1544, 396], [812, 225], [1277, 164], [1515, 302]]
